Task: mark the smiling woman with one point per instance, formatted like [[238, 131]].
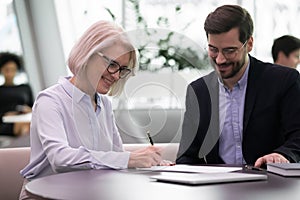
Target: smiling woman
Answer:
[[114, 67], [78, 130]]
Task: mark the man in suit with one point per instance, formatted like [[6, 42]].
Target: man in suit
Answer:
[[245, 111]]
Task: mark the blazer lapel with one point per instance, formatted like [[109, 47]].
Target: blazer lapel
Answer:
[[252, 86], [213, 132]]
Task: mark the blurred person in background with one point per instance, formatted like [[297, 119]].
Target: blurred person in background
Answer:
[[286, 51], [15, 98]]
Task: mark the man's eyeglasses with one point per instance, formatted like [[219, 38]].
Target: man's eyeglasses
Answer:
[[228, 53], [114, 67]]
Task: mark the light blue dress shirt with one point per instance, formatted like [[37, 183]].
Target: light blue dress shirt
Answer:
[[67, 134], [231, 111]]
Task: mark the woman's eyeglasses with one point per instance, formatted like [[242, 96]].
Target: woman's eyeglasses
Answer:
[[114, 67], [228, 53]]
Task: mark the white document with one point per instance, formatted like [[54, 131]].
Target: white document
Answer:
[[192, 169], [17, 118], [209, 178]]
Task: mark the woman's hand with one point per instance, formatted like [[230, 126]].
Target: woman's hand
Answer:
[[166, 163], [146, 157]]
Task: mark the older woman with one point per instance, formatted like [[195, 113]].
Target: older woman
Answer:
[[73, 125]]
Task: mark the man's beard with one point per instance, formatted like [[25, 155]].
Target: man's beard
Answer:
[[237, 66]]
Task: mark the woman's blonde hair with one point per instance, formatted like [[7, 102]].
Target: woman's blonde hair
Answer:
[[98, 37]]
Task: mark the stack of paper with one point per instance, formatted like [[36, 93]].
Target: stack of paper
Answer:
[[191, 169], [194, 175]]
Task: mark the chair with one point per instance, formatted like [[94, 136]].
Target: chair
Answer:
[[12, 160]]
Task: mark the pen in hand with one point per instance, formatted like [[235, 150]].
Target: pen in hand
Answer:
[[163, 162], [150, 139]]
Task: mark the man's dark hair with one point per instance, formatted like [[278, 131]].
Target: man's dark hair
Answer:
[[226, 17], [286, 44], [6, 57]]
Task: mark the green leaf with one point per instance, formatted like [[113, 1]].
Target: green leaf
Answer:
[[111, 14]]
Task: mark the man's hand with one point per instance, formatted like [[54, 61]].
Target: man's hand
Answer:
[[270, 158]]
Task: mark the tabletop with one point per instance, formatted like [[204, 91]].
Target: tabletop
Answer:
[[134, 184], [17, 118]]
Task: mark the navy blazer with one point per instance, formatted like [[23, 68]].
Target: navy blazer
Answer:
[[271, 116]]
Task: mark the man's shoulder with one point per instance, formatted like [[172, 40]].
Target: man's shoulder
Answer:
[[209, 77], [270, 67], [270, 71], [204, 84]]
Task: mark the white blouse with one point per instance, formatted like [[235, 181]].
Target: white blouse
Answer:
[[67, 134]]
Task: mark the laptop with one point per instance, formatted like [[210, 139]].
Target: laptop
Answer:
[[209, 178]]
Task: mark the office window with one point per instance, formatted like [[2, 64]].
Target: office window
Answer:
[[9, 33], [154, 99], [75, 16], [272, 18], [9, 36]]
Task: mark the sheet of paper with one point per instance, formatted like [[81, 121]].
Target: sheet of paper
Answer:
[[17, 118], [192, 169]]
